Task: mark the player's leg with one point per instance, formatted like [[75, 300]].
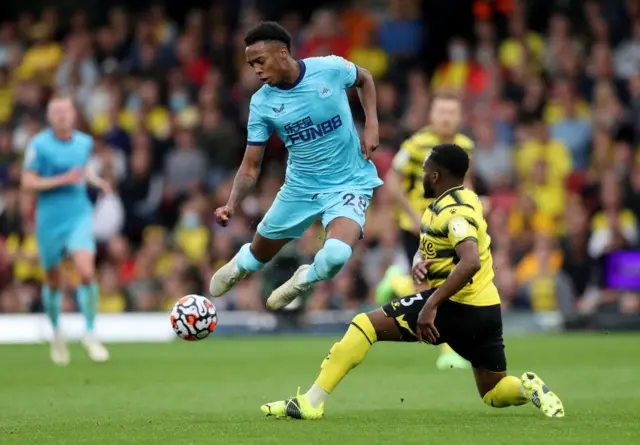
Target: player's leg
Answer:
[[81, 246], [394, 281], [363, 332], [485, 351], [343, 216], [394, 321], [287, 219], [500, 390], [50, 253]]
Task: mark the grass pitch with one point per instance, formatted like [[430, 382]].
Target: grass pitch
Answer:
[[210, 393]]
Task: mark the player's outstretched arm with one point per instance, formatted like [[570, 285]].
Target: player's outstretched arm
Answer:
[[32, 182], [367, 94], [246, 178]]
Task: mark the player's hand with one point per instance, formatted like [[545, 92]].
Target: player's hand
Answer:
[[427, 324], [420, 271], [223, 215], [105, 187], [72, 176], [370, 141]]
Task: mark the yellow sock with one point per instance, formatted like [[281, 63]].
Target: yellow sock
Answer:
[[445, 348], [347, 353], [506, 393]]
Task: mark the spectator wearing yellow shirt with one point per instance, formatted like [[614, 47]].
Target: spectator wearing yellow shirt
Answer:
[[370, 56], [192, 236], [544, 258], [112, 299], [523, 47], [156, 118], [114, 117], [548, 193], [564, 104], [6, 95], [459, 73], [23, 253], [41, 60], [541, 147], [613, 227]]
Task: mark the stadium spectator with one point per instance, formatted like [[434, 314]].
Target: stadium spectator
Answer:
[[554, 110]]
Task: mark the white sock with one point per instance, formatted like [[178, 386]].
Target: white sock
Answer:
[[316, 395]]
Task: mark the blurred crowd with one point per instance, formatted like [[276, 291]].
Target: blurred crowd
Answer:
[[554, 113]]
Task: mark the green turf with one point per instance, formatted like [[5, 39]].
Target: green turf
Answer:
[[210, 392]]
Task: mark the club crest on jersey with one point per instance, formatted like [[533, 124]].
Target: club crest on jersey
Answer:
[[324, 90], [278, 111]]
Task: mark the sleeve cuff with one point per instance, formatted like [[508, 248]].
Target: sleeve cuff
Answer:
[[259, 144], [469, 238], [357, 76]]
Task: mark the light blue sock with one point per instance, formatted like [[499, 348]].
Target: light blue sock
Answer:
[[247, 262], [52, 303], [329, 260], [88, 300]]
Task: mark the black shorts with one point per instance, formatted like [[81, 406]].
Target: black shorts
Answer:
[[474, 332]]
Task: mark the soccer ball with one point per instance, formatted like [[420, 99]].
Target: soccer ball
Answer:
[[194, 317]]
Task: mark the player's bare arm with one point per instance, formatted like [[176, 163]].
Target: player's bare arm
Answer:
[[93, 178], [246, 178], [461, 275], [30, 181], [367, 94]]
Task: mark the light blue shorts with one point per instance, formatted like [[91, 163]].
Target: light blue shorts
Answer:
[[52, 246], [289, 216]]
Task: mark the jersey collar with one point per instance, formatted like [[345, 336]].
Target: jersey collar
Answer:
[[445, 194], [303, 70]]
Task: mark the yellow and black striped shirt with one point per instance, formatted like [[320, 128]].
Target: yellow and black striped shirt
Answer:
[[408, 162], [454, 217]]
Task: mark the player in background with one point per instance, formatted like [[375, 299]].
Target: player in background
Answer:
[[461, 305], [55, 169], [404, 181], [329, 172]]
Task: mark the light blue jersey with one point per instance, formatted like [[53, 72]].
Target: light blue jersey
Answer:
[[314, 120], [64, 215], [327, 176]]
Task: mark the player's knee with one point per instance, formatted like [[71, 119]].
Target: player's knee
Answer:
[[86, 273], [333, 256], [53, 279]]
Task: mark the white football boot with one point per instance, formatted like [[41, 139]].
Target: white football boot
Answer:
[[225, 278], [96, 350], [59, 350], [289, 291]]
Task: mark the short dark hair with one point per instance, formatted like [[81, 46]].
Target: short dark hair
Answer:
[[451, 157], [268, 31]]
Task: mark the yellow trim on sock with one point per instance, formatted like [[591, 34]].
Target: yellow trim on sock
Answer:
[[363, 322]]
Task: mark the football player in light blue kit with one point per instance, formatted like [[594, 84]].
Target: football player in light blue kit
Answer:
[[55, 168], [329, 172]]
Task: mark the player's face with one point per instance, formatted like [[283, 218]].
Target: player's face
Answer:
[[446, 115], [268, 60], [429, 179], [61, 114]]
